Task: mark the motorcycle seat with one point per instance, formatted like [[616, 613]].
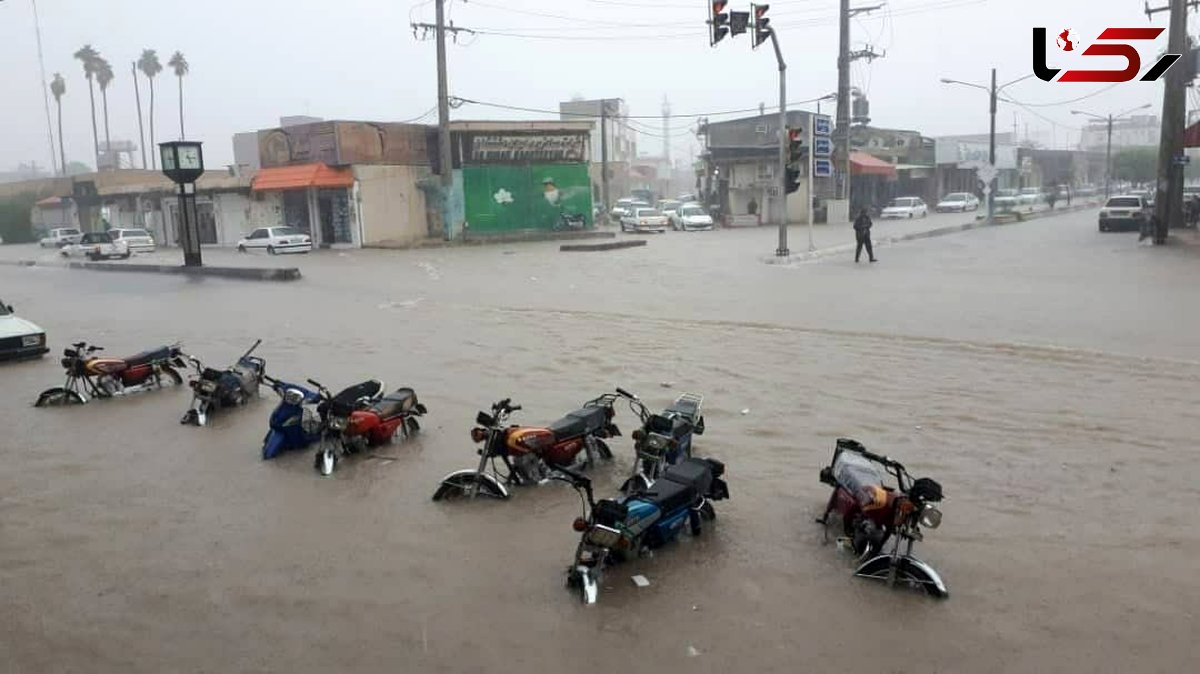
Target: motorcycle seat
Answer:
[[396, 402], [161, 353], [669, 495], [580, 422], [346, 400], [695, 473]]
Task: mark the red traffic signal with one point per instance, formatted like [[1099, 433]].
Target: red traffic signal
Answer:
[[718, 21], [762, 25]]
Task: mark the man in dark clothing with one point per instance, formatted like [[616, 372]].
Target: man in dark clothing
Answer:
[[862, 232]]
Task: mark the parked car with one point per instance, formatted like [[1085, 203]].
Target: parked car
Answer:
[[138, 240], [1031, 196], [1127, 211], [57, 238], [97, 246], [19, 338], [957, 201], [1006, 199], [669, 207], [691, 218], [644, 220], [905, 207], [276, 240], [625, 207]]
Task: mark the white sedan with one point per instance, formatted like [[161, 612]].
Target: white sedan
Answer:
[[691, 218], [644, 220], [957, 201], [96, 246], [905, 207], [276, 240], [19, 338]]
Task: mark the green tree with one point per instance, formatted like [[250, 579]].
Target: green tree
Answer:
[[15, 213], [104, 77], [150, 67], [58, 87], [1137, 164], [180, 65], [88, 56]]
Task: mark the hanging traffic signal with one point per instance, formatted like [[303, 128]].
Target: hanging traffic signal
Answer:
[[796, 150], [762, 25], [738, 22], [718, 21], [793, 179]]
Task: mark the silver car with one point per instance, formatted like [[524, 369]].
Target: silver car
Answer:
[[644, 220], [139, 240]]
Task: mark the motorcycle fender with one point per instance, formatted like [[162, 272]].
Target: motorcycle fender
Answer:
[[929, 571], [486, 477], [613, 431], [880, 563], [719, 490], [273, 444]]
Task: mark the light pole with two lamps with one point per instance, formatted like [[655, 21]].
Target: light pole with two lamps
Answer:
[[993, 92], [1108, 145]]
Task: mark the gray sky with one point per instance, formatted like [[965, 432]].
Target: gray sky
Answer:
[[254, 60]]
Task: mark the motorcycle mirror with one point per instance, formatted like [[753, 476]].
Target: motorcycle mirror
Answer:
[[484, 419]]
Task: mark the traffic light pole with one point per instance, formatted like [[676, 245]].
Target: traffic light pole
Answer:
[[809, 194], [782, 251]]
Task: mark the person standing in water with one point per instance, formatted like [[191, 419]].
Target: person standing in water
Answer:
[[862, 232]]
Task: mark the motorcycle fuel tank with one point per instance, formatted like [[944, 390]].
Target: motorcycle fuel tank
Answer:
[[525, 440]]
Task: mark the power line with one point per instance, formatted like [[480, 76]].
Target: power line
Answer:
[[458, 101], [1070, 100]]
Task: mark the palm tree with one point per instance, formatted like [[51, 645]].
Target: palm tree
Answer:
[[104, 77], [88, 57], [58, 87], [180, 66], [149, 65]]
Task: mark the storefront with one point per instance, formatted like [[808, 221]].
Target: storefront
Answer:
[[874, 181], [317, 199]]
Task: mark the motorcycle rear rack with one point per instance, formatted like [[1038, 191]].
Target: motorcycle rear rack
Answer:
[[689, 405]]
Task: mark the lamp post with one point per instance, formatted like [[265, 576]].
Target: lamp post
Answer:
[[183, 163], [1108, 144], [993, 94]]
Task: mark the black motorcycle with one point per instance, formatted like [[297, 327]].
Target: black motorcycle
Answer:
[[231, 387], [664, 439]]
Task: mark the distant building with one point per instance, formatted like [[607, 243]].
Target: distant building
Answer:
[[957, 158], [1132, 131], [911, 155]]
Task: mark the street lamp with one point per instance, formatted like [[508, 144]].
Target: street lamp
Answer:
[[183, 163], [993, 91], [1108, 146]]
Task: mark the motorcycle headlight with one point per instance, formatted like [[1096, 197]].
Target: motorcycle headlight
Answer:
[[337, 423], [293, 396], [931, 517]]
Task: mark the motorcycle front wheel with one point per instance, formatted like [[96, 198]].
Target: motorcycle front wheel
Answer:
[[58, 396], [459, 486], [908, 575], [171, 374], [325, 461]]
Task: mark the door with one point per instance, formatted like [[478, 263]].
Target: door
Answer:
[[256, 239], [206, 223]]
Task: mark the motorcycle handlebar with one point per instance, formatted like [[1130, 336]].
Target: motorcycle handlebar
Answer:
[[627, 394], [513, 408]]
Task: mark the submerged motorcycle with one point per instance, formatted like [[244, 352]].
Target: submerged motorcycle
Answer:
[[614, 530], [663, 439], [101, 377], [296, 422], [230, 387], [872, 514], [531, 454], [359, 417]]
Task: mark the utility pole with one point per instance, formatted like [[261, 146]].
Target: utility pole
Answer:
[[1168, 207], [604, 153], [991, 194], [445, 161], [782, 250], [842, 130], [1108, 122], [37, 29]]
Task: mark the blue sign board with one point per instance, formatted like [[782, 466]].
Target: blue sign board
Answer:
[[822, 125], [822, 168], [822, 147]]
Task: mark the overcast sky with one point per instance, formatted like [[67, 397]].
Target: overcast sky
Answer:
[[255, 60]]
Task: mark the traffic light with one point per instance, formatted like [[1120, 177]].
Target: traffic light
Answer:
[[718, 21], [796, 150], [762, 25], [793, 179]]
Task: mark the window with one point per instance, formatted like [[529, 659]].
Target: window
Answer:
[[258, 234], [287, 231], [1124, 202]]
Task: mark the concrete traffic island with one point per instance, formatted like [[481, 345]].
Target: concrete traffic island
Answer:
[[610, 245], [243, 273]]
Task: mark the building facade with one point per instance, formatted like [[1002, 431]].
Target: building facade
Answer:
[[622, 142], [1132, 131]]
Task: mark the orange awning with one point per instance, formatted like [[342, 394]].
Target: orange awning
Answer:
[[864, 164], [302, 176]]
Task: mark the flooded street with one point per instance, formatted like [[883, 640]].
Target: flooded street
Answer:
[[1046, 375]]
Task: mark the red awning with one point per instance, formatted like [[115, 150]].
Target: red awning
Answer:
[[863, 164], [302, 176], [1191, 136]]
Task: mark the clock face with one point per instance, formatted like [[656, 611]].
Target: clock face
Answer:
[[168, 159], [189, 157]]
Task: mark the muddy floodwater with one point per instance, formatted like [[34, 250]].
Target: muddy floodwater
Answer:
[[1046, 376]]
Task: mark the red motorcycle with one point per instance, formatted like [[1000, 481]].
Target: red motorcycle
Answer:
[[359, 417], [102, 377], [531, 454], [873, 513]]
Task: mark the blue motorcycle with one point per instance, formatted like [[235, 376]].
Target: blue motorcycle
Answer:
[[296, 423], [616, 529]]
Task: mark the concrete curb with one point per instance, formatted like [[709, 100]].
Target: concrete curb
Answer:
[[242, 273], [512, 237], [587, 247]]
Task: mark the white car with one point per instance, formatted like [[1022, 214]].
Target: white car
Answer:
[[625, 207], [138, 240], [957, 201], [19, 338], [57, 238], [1124, 211], [669, 207], [96, 246], [644, 220], [276, 240], [905, 207], [691, 218]]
